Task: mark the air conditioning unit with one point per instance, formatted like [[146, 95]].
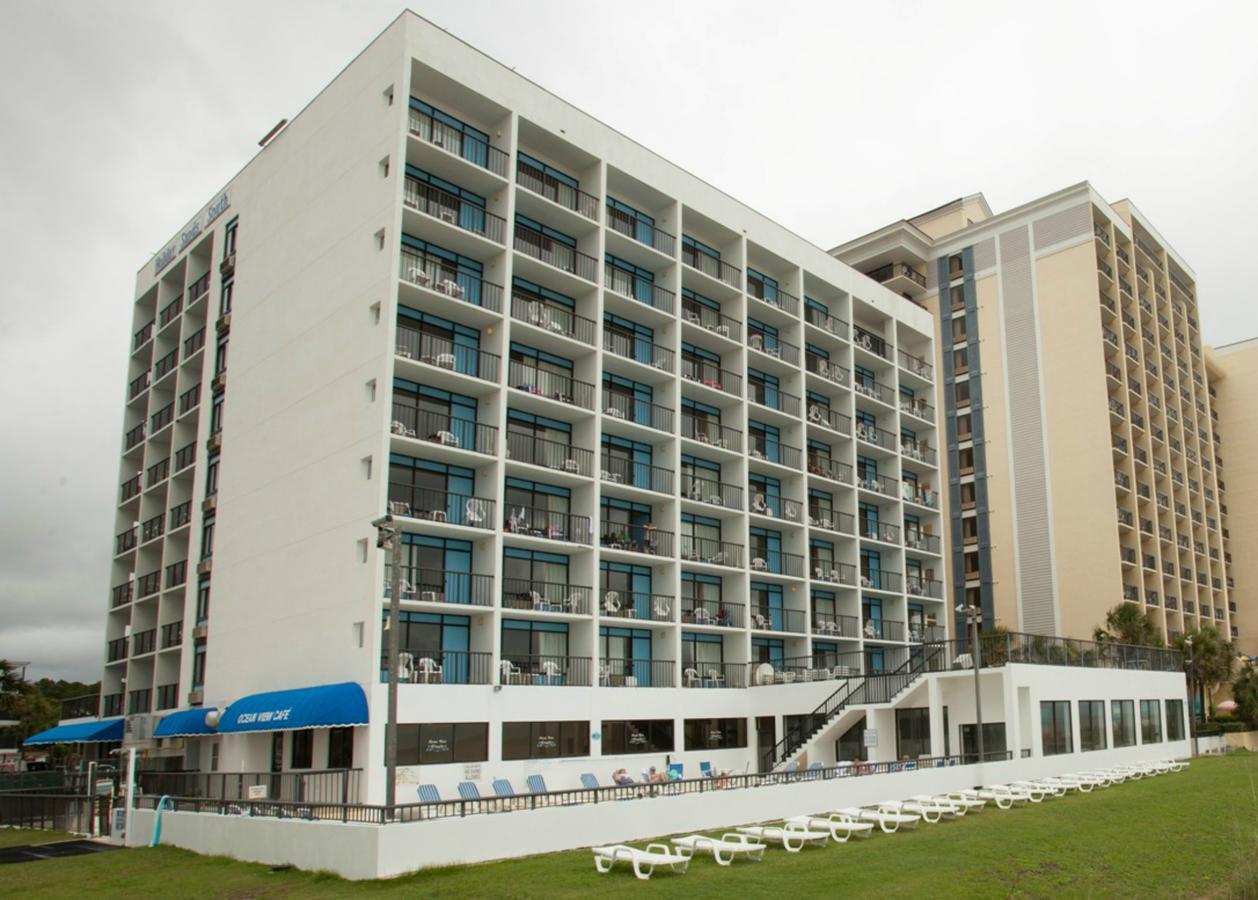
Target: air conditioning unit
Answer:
[[228, 265]]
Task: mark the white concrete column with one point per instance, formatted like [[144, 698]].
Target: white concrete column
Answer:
[[934, 700]]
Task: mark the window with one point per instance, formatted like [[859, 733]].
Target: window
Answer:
[[956, 266], [1055, 727], [912, 732], [965, 427], [961, 393], [198, 665], [1174, 720], [431, 744], [207, 539], [637, 736], [1123, 714], [340, 748], [1150, 722], [1092, 725], [965, 460], [211, 475], [968, 495], [216, 413], [301, 749], [961, 360], [994, 746], [203, 599], [545, 740], [958, 330], [229, 238], [225, 298], [220, 356], [715, 734]]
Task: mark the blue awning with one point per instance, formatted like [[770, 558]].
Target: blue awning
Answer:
[[185, 723], [97, 731], [326, 706]]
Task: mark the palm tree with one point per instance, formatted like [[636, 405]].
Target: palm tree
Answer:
[[1128, 624]]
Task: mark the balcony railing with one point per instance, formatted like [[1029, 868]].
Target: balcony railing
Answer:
[[526, 448], [925, 633], [637, 673], [829, 418], [705, 490], [637, 605], [772, 397], [551, 385], [824, 320], [773, 346], [185, 456], [636, 410], [870, 342], [194, 342], [770, 619], [426, 585], [176, 573], [874, 390], [774, 452], [533, 521], [716, 613], [409, 421], [879, 484], [712, 433], [641, 232], [777, 562], [440, 506], [122, 594], [635, 538], [544, 671], [918, 540], [555, 253], [700, 674], [883, 630], [180, 515], [763, 504], [453, 210], [143, 336], [138, 385], [148, 584], [169, 312], [546, 596], [783, 300], [879, 531], [437, 666], [920, 451], [130, 488], [713, 321], [642, 351], [879, 437], [826, 467], [918, 366], [835, 625], [711, 375], [162, 417], [640, 289], [618, 470], [924, 587], [436, 274], [713, 552], [918, 408], [158, 472], [139, 702], [116, 650], [881, 580], [133, 437], [189, 399], [536, 180], [125, 541], [554, 318], [821, 666], [172, 634], [166, 365], [832, 572], [827, 369], [712, 267], [467, 146], [446, 354], [153, 528], [831, 519]]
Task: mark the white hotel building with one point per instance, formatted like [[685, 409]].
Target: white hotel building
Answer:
[[666, 472]]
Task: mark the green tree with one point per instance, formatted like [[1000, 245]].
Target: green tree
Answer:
[[1128, 624], [1245, 693], [1213, 660]]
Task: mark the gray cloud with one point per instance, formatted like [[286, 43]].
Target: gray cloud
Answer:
[[122, 118]]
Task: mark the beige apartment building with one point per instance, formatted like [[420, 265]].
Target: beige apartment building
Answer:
[[1071, 372]]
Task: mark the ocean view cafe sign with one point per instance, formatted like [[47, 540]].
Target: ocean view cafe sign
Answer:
[[198, 226]]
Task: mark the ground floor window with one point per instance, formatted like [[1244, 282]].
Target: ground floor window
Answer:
[[1174, 720], [433, 744], [340, 748], [994, 746], [1092, 725], [638, 736], [912, 732], [1123, 714], [545, 740], [715, 734], [1055, 727], [1150, 722], [301, 750]]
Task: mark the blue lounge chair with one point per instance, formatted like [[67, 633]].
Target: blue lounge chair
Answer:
[[502, 788], [705, 769], [675, 771], [815, 770], [537, 784], [428, 794], [589, 782], [468, 790]]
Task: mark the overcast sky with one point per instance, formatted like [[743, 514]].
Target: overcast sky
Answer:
[[119, 120]]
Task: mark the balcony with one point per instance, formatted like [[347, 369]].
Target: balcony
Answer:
[[881, 580], [711, 375], [551, 385], [555, 253], [636, 410], [772, 398], [879, 484], [883, 630], [453, 210], [832, 625], [426, 585], [133, 438], [918, 451], [714, 613], [130, 488], [878, 437], [437, 666], [189, 399], [435, 274], [635, 538], [918, 408], [439, 428], [879, 531], [829, 418], [767, 618], [828, 369], [925, 633], [116, 650], [139, 702], [446, 354], [638, 350], [822, 666], [773, 346], [712, 433], [143, 336], [776, 297], [919, 540], [775, 507], [537, 522], [776, 562], [628, 285], [922, 496], [705, 317], [924, 587], [545, 671], [147, 585], [823, 320], [637, 673], [194, 342], [536, 180], [632, 473], [457, 142], [832, 572], [429, 505], [122, 594], [899, 277], [712, 552], [712, 267], [637, 230], [184, 457], [523, 447], [157, 473], [773, 451], [546, 596], [637, 605], [825, 467], [176, 574], [165, 365], [138, 385], [705, 490], [172, 634], [831, 519], [553, 317], [699, 674], [125, 541], [870, 342]]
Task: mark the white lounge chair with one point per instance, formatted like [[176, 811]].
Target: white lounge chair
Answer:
[[1038, 790], [950, 807], [1004, 797], [840, 826], [791, 835], [889, 821], [724, 849], [930, 812], [1176, 765], [959, 798], [643, 861], [1067, 784]]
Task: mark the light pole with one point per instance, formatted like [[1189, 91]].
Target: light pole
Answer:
[[387, 537], [973, 618], [1192, 695]]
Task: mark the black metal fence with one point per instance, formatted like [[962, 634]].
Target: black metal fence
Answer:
[[337, 786], [74, 813]]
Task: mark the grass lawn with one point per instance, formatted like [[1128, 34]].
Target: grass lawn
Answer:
[[20, 837], [1191, 834]]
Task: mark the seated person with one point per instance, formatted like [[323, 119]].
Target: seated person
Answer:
[[621, 776]]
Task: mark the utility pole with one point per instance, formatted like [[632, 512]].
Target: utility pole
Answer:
[[387, 537], [973, 616], [1192, 695]]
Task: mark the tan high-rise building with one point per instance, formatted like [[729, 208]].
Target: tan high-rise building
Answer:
[[1079, 435]]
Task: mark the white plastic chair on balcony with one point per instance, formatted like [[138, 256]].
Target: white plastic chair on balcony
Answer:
[[691, 676], [611, 603], [539, 602], [511, 673], [429, 670], [419, 275], [715, 678], [762, 623], [662, 609], [444, 360], [764, 673], [871, 631], [405, 667], [474, 512], [814, 413], [551, 671], [447, 439], [759, 564]]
